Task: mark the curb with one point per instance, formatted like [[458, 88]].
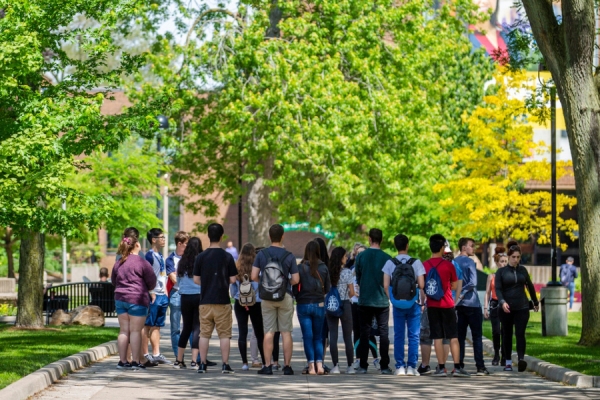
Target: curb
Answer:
[[46, 376], [548, 370]]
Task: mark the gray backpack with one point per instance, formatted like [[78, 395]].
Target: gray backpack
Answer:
[[247, 295], [273, 281]]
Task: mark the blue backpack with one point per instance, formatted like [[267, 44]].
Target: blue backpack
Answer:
[[333, 303], [433, 284]]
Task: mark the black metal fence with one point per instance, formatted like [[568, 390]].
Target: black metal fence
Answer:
[[72, 295]]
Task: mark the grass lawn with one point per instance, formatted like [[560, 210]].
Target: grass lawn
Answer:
[[25, 351], [563, 351]]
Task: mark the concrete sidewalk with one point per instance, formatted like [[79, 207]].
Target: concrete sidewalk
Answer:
[[102, 381]]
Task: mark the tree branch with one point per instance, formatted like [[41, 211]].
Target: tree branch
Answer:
[[207, 12]]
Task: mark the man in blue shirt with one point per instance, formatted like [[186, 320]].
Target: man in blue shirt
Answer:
[[568, 274], [468, 307]]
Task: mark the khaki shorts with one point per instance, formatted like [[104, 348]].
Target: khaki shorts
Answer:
[[215, 315], [278, 315]]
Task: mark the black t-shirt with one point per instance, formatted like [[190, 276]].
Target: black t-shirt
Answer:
[[289, 264], [214, 267]]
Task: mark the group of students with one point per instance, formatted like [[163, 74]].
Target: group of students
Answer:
[[433, 303]]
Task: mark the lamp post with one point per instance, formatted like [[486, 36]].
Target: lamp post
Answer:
[[64, 247], [163, 123], [553, 261]]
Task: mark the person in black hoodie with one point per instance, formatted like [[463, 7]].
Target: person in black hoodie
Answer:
[[310, 308], [514, 304]]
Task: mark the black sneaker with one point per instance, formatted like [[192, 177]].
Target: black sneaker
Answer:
[[496, 361], [202, 368], [482, 371], [226, 369], [287, 370], [522, 365], [265, 370], [180, 365], [149, 361], [136, 366], [424, 370], [211, 363], [123, 365]]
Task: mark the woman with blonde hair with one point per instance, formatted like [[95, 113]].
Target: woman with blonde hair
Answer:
[[491, 309]]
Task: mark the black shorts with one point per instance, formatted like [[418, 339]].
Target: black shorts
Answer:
[[442, 323]]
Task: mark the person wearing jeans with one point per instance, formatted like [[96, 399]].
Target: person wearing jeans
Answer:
[[568, 274], [310, 308]]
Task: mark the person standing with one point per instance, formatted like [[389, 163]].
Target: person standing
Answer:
[[468, 306], [158, 307], [491, 308], [232, 250], [277, 312], [406, 312], [373, 301], [568, 274], [181, 239], [133, 278], [214, 271], [514, 313]]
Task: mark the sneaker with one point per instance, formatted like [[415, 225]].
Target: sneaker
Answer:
[[136, 366], [202, 368], [410, 371], [256, 364], [356, 364], [495, 361], [522, 365], [305, 370], [326, 369], [424, 370], [440, 372], [287, 370], [193, 364], [508, 367], [179, 365], [361, 370], [482, 371], [400, 371], [123, 365], [376, 364], [460, 373], [211, 363], [160, 359], [265, 370], [149, 361], [245, 367], [277, 367], [387, 371], [335, 370], [350, 370], [226, 369]]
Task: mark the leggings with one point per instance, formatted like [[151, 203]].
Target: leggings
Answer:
[[276, 337], [190, 312], [356, 331], [517, 319], [346, 320], [255, 314], [496, 328]]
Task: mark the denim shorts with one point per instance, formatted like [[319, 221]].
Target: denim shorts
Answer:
[[158, 311], [134, 310]]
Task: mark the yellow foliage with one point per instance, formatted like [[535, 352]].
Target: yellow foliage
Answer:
[[488, 199]]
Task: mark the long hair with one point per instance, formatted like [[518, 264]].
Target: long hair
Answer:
[[322, 250], [311, 255], [245, 261], [186, 264], [128, 242], [335, 264]]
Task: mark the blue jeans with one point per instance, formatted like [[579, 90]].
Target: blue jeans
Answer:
[[571, 288], [471, 317], [312, 318], [404, 319], [175, 319]]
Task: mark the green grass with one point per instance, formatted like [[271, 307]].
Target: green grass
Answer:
[[25, 351], [563, 351]]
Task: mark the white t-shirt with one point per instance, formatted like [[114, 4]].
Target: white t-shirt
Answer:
[[418, 267]]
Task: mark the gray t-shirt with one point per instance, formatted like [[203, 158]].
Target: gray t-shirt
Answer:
[[418, 267], [346, 278], [289, 263]]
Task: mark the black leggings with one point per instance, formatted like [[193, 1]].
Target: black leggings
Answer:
[[517, 319], [190, 313], [255, 314], [276, 337], [346, 320], [356, 331], [496, 328]]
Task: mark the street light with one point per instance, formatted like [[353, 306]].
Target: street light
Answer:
[[163, 123]]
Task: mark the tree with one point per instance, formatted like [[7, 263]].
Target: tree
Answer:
[[488, 198], [567, 46], [333, 112], [8, 243], [46, 124]]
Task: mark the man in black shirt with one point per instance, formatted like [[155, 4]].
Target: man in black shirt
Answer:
[[214, 271]]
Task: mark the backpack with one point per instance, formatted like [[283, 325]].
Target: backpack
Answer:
[[403, 288], [247, 295], [333, 303], [273, 281], [565, 274], [433, 284], [309, 283]]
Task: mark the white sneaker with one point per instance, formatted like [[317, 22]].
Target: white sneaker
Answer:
[[356, 364], [400, 371], [335, 370], [245, 367], [410, 371], [350, 370], [376, 364]]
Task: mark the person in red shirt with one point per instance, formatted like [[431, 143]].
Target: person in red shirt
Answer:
[[441, 314]]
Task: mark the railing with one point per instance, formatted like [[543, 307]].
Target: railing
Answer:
[[72, 295]]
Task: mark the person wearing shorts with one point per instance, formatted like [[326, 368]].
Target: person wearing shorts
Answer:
[[426, 342], [278, 315], [214, 271]]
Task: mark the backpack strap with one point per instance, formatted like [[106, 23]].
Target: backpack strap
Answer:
[[267, 255]]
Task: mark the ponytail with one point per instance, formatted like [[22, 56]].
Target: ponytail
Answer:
[[126, 246]]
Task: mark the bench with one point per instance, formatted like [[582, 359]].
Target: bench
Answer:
[[8, 294]]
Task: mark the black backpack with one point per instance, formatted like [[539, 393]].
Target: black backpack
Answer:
[[273, 280], [403, 282]]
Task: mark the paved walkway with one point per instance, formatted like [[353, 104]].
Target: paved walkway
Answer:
[[102, 381]]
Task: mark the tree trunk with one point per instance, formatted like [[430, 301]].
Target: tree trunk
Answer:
[[260, 208], [8, 246], [31, 280]]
